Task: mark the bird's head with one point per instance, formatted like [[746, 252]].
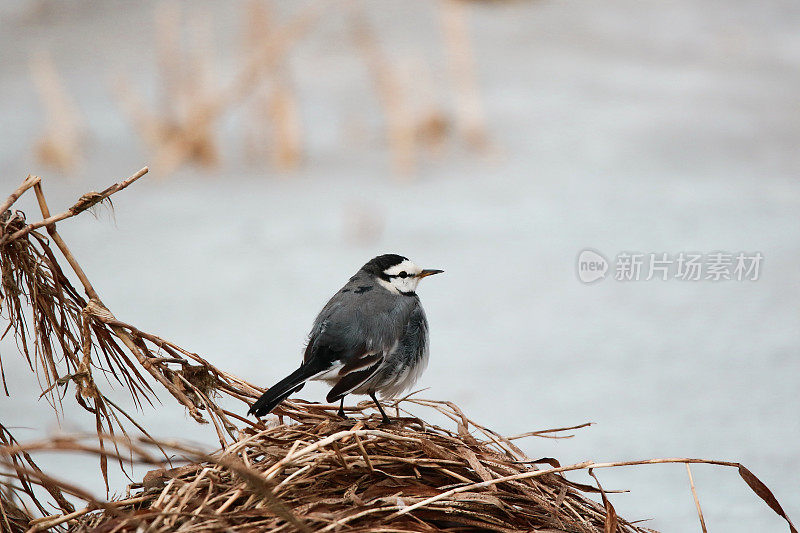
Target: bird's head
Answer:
[[397, 273]]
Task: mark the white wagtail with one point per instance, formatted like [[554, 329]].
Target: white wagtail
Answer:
[[372, 336]]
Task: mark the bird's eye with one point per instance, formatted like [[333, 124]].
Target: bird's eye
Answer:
[[403, 274]]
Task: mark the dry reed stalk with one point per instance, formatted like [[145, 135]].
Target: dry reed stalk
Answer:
[[470, 119], [696, 499], [188, 138], [432, 125], [61, 143], [169, 60], [192, 103], [400, 130], [200, 84], [188, 83], [277, 105]]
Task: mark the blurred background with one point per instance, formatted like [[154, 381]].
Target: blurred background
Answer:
[[290, 142]]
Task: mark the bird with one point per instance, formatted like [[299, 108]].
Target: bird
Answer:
[[371, 337]]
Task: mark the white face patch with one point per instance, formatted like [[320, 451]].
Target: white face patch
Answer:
[[388, 286], [402, 277]]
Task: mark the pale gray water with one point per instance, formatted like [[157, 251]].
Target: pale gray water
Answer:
[[621, 127]]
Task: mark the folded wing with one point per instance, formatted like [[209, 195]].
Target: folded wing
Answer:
[[354, 374]]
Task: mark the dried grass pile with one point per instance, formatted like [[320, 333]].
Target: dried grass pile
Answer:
[[321, 473], [310, 471]]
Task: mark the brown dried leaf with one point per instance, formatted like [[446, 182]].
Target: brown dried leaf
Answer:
[[765, 494], [611, 521], [477, 466], [547, 460], [434, 450]]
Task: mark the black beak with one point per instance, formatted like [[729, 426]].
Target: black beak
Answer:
[[429, 272]]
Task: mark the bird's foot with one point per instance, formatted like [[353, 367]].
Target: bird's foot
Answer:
[[385, 421], [340, 412]]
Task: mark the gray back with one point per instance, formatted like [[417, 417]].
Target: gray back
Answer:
[[361, 317]]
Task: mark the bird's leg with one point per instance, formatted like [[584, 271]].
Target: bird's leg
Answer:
[[386, 419], [341, 409]]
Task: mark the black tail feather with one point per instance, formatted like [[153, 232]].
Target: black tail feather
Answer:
[[282, 389]]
